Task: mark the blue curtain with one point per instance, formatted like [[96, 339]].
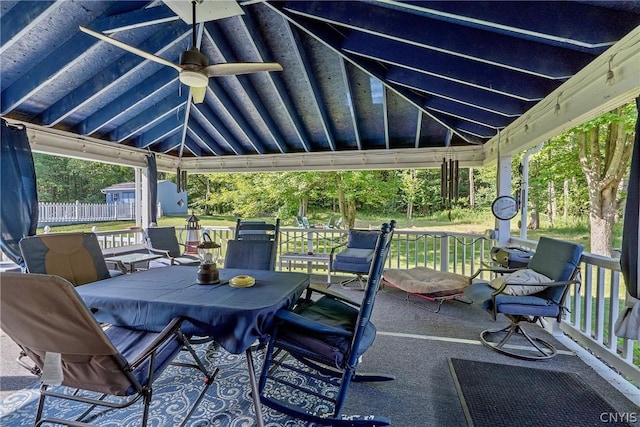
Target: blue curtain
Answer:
[[628, 324], [18, 191], [153, 188]]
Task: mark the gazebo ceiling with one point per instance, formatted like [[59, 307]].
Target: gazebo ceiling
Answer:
[[365, 83]]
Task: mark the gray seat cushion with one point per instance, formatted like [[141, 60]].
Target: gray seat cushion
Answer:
[[355, 256]]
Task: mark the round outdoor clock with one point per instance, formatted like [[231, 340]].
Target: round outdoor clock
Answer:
[[504, 207]]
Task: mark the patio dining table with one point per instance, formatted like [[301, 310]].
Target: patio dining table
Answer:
[[234, 317]]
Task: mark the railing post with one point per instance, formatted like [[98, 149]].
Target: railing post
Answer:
[[444, 253], [309, 241]]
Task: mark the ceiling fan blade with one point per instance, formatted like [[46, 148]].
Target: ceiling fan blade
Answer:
[[197, 93], [129, 48], [233, 69]]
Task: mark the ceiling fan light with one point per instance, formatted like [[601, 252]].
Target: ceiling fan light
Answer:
[[194, 78]]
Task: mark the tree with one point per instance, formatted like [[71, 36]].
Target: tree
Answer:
[[65, 180], [364, 188], [605, 145], [410, 187]]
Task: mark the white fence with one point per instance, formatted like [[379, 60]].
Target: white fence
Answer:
[[65, 213]]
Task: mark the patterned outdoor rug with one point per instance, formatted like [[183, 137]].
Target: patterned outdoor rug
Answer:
[[228, 401], [494, 394]]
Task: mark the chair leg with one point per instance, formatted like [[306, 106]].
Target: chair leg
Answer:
[[274, 361], [32, 368], [543, 350], [257, 406], [38, 420], [146, 402], [361, 285]]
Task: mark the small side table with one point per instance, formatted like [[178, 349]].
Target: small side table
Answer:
[[323, 258], [127, 263]]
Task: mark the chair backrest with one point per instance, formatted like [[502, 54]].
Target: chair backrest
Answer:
[[77, 257], [44, 314], [559, 261], [163, 238], [255, 231], [382, 247], [362, 239], [250, 254]]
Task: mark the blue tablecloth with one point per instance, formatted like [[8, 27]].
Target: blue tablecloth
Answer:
[[234, 317]]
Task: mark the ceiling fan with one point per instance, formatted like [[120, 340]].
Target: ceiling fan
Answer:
[[193, 67]]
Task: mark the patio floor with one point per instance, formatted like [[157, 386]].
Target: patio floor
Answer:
[[414, 345]]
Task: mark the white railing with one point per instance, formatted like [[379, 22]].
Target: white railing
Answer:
[[454, 252], [64, 213], [120, 241]]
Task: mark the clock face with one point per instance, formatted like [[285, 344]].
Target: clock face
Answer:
[[504, 207]]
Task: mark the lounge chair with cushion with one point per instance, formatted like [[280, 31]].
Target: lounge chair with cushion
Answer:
[[76, 257], [80, 361], [526, 295], [164, 241], [427, 283], [354, 256]]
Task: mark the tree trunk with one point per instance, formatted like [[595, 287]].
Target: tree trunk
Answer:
[[601, 236], [302, 211], [605, 162], [534, 222], [551, 203], [351, 213], [347, 210], [565, 203], [472, 190], [409, 209], [207, 197]]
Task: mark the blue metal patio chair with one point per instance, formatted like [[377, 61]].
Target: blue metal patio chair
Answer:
[[323, 340], [354, 256], [551, 271], [76, 256], [164, 241], [254, 247]]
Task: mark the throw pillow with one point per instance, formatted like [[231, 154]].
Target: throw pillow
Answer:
[[525, 276]]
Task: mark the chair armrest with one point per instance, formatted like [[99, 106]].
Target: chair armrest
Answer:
[[335, 295], [497, 270], [296, 320], [334, 248], [162, 252], [171, 329]]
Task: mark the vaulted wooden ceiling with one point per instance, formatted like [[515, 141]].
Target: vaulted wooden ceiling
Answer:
[[365, 83]]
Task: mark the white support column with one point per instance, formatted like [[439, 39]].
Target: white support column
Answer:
[[524, 199], [145, 200], [504, 189]]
